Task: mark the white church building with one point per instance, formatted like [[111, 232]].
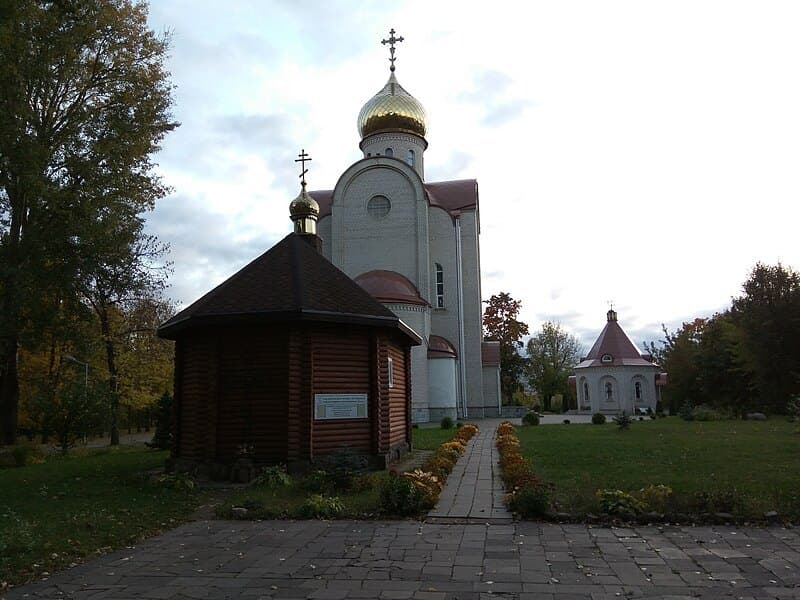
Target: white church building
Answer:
[[414, 245], [615, 376]]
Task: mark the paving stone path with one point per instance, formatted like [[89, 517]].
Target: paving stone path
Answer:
[[468, 548], [474, 491]]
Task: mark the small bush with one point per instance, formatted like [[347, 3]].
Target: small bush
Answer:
[[566, 421], [530, 418], [181, 482], [342, 467], [619, 503], [24, 454], [428, 485], [655, 497], [318, 506], [706, 413], [273, 477], [317, 481], [531, 500], [459, 424], [686, 412], [623, 421], [399, 496], [446, 423], [505, 428], [598, 419]]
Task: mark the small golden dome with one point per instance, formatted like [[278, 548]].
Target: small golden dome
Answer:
[[392, 109], [303, 206]]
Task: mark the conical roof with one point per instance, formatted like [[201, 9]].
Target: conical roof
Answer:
[[613, 348], [289, 282], [392, 109]]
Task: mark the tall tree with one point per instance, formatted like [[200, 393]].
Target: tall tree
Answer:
[[500, 323], [552, 354], [84, 103], [679, 355], [767, 316]]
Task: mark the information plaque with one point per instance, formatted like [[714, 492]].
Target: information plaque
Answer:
[[340, 406]]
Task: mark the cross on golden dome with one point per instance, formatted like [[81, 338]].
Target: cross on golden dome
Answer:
[[391, 41], [302, 159]]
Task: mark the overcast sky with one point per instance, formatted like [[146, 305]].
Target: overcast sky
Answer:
[[642, 152]]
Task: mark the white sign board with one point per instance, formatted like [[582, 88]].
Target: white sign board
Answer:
[[340, 406]]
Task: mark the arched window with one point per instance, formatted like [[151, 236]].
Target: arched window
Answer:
[[439, 286], [410, 158], [585, 392], [609, 391], [389, 152], [638, 388]]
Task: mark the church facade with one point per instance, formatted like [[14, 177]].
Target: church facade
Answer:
[[615, 377], [414, 245]]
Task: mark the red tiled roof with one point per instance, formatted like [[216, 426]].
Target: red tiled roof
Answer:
[[439, 347], [616, 343], [388, 286], [490, 353], [452, 196], [290, 281]]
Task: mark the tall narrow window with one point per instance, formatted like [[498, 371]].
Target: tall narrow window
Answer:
[[638, 390], [439, 286], [609, 392], [389, 152], [585, 392], [410, 158], [390, 369]]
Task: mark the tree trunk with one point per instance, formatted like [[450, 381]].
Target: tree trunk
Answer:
[[113, 379], [9, 390]]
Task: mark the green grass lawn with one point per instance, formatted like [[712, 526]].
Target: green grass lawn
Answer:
[[742, 467], [429, 438], [54, 513]]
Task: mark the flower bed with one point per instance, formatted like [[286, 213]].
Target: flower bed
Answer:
[[528, 495], [418, 490]]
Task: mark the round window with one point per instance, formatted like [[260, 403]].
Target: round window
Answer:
[[378, 207]]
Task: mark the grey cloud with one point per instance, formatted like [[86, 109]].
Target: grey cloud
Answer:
[[201, 247]]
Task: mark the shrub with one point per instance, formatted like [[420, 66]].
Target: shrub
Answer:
[[655, 497], [531, 500], [566, 421], [273, 477], [619, 503], [318, 506], [459, 424], [623, 421], [505, 428], [465, 433], [446, 423], [706, 413], [686, 413], [342, 467], [598, 418], [24, 454], [428, 486], [399, 496], [448, 452], [530, 418], [317, 481], [440, 466], [181, 482]]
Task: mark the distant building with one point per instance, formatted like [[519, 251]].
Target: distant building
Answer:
[[615, 376], [414, 246]]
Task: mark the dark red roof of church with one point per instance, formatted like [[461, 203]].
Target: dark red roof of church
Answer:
[[291, 281], [453, 196], [439, 347], [490, 353], [389, 286], [614, 342]]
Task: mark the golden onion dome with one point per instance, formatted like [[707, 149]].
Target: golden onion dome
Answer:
[[303, 206], [392, 109]]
